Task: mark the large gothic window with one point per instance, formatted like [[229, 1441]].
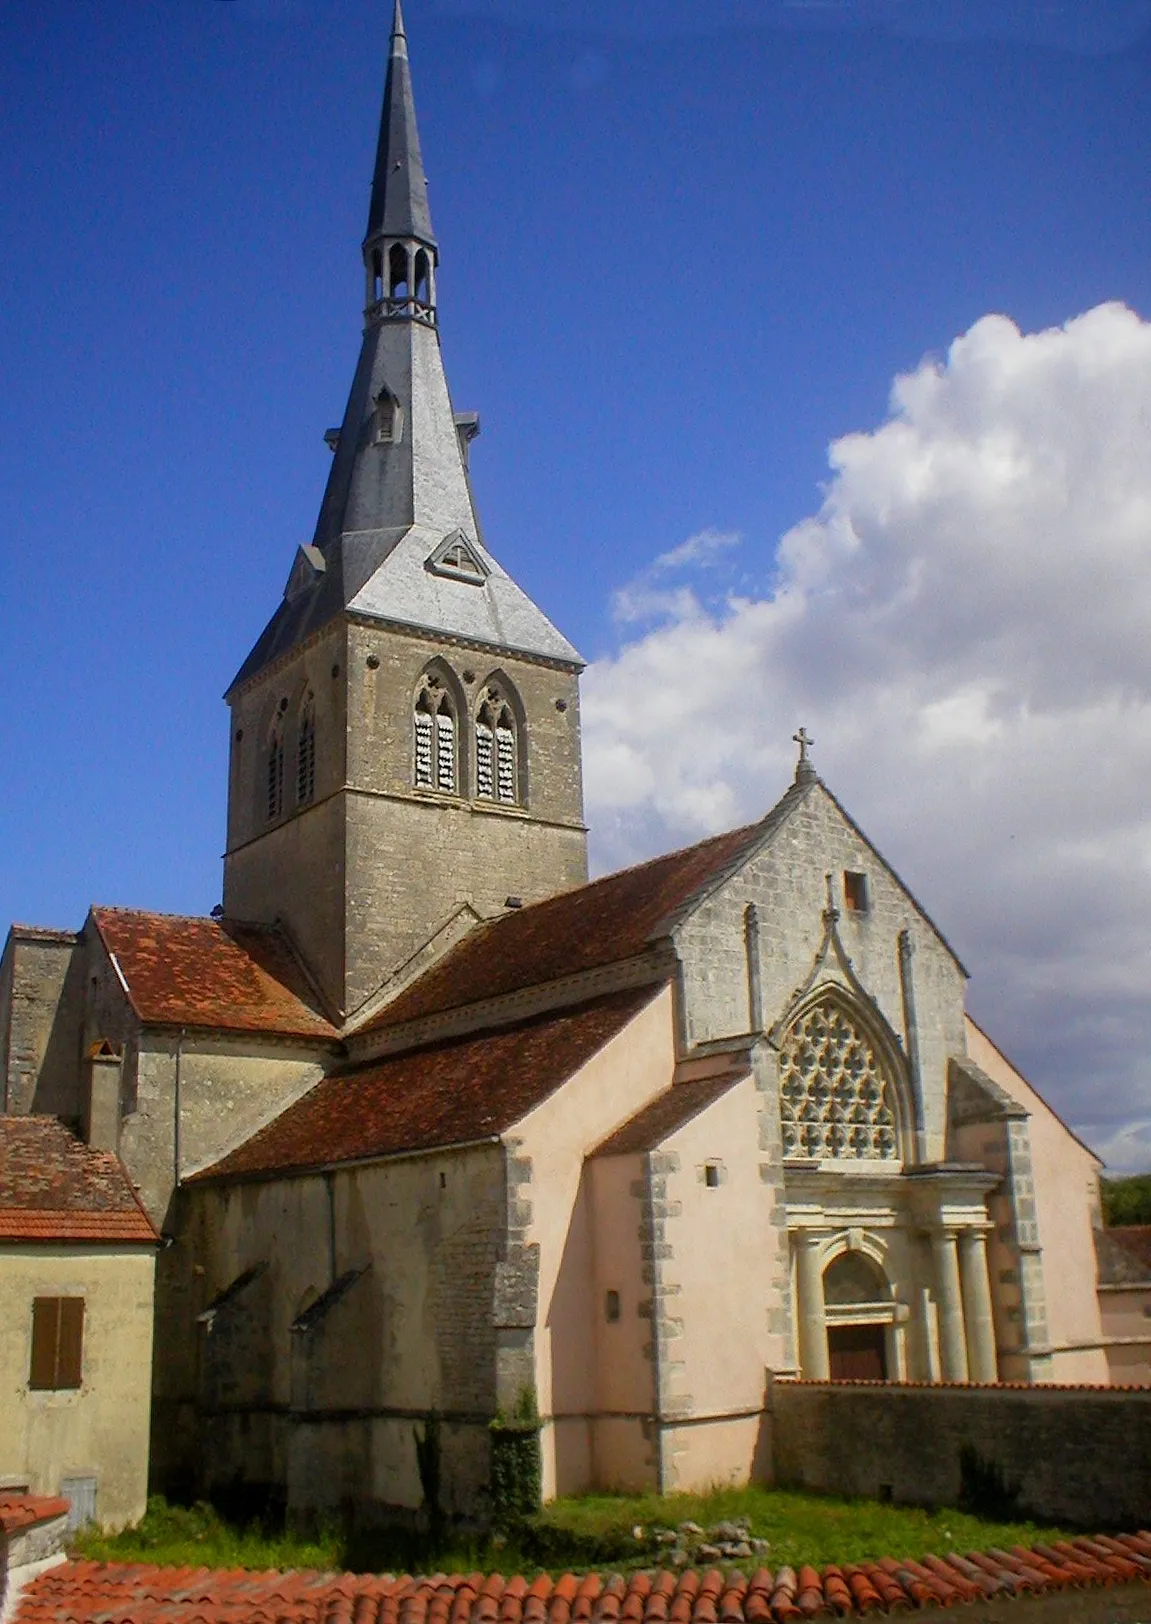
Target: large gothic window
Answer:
[[436, 763], [835, 1091], [497, 749], [306, 754]]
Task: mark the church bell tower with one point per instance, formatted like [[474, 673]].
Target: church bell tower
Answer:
[[405, 742]]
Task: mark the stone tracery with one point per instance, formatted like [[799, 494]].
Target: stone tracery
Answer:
[[834, 1091]]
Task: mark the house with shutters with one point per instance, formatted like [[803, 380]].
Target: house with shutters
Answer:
[[77, 1275], [435, 1126]]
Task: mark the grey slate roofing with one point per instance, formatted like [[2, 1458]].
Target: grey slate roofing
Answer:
[[393, 498], [399, 206]]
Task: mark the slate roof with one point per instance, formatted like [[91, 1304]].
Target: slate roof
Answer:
[[93, 1593], [53, 1188], [211, 973], [399, 205], [665, 1115], [602, 923], [458, 1092]]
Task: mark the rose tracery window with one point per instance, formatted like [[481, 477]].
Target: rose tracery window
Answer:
[[833, 1093]]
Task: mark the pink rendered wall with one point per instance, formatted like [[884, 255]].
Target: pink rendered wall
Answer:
[[1066, 1177], [720, 1274], [635, 1066]]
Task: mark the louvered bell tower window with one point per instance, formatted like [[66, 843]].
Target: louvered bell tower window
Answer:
[[275, 783], [435, 764], [306, 757], [497, 767], [834, 1094]]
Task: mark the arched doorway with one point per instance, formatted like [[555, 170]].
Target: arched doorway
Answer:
[[858, 1306]]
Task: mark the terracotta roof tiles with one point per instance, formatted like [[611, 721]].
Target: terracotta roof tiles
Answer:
[[601, 923], [92, 1593], [220, 974], [53, 1188], [20, 1511], [665, 1115], [451, 1093]]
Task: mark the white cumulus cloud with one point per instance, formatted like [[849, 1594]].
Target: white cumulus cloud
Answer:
[[964, 627]]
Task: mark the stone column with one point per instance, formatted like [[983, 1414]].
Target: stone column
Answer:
[[813, 1360], [952, 1338], [977, 1306]]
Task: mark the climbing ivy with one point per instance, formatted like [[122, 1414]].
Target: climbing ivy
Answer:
[[516, 1465]]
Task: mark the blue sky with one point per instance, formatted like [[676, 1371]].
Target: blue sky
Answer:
[[685, 247]]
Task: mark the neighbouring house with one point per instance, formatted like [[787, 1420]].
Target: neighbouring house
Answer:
[[436, 1127], [77, 1278], [1125, 1301]]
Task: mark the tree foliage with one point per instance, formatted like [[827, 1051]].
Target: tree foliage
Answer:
[[1126, 1201]]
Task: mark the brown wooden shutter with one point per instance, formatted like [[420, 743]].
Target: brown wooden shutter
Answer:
[[45, 1341], [70, 1349]]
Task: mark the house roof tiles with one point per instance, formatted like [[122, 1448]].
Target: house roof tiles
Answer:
[[20, 1511], [220, 974], [1123, 1255], [92, 1593], [55, 1189], [451, 1093], [601, 923]]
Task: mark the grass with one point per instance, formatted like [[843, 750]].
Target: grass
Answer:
[[594, 1531]]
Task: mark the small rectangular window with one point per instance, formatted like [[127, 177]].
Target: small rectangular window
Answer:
[[855, 891], [57, 1342], [711, 1175], [611, 1307]]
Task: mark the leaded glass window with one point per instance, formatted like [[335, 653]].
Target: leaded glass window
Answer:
[[834, 1094]]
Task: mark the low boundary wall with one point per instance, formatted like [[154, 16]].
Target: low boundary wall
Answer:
[[1080, 1456]]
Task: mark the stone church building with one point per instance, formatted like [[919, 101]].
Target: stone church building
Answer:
[[430, 1122]]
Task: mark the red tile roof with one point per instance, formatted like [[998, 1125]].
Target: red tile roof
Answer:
[[611, 919], [219, 974], [450, 1093], [665, 1115], [92, 1593], [20, 1511], [53, 1188]]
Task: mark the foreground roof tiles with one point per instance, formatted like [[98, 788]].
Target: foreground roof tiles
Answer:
[[451, 1093], [20, 1511], [214, 973], [602, 923], [88, 1592], [53, 1188]]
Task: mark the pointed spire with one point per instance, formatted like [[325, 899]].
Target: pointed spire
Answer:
[[399, 206]]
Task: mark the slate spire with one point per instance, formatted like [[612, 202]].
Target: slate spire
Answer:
[[399, 206]]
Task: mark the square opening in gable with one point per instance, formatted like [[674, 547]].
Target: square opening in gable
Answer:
[[855, 891]]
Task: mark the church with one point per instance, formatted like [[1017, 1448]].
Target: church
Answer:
[[434, 1127]]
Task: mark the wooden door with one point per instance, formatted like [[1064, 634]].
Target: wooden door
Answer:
[[857, 1353]]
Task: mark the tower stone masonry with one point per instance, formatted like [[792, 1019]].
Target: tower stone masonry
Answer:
[[405, 732]]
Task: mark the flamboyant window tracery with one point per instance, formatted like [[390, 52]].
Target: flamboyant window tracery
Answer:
[[436, 755], [834, 1090], [497, 750]]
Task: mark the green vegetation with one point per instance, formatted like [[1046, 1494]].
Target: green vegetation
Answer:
[[595, 1531], [1126, 1201]]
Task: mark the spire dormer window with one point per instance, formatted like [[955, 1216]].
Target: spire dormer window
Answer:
[[389, 418]]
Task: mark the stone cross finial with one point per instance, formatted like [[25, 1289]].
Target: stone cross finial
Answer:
[[804, 771]]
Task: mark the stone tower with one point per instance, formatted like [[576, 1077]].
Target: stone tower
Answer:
[[405, 732]]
